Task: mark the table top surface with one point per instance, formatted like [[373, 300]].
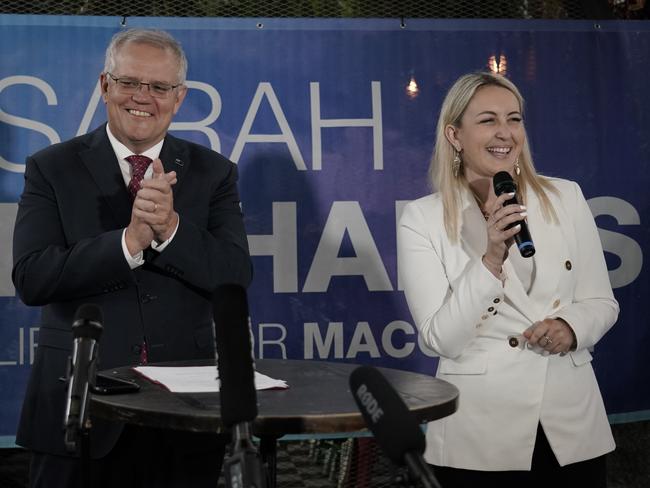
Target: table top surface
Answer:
[[318, 400]]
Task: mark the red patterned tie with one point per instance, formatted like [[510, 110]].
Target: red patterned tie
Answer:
[[144, 353], [139, 165]]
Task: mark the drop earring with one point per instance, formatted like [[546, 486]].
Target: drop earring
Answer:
[[517, 168], [455, 165]]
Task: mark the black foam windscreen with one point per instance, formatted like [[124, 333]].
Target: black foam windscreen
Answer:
[[503, 183], [387, 416], [88, 321], [234, 355]]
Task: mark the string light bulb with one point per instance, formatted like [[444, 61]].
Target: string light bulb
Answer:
[[412, 89], [499, 67]]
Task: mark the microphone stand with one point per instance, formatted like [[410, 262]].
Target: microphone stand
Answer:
[[402, 479], [77, 439], [405, 480], [420, 471], [77, 431], [242, 469], [84, 435], [415, 474]]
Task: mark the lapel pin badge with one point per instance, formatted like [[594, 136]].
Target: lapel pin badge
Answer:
[[179, 162]]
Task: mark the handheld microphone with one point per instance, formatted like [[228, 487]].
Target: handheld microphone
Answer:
[[82, 367], [389, 419], [503, 183], [233, 347]]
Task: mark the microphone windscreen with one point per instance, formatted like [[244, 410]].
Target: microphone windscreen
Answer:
[[234, 355], [503, 183], [387, 416], [88, 321]]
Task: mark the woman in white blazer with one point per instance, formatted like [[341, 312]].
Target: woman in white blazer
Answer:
[[513, 334]]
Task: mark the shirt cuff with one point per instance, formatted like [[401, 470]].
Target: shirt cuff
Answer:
[[132, 261], [161, 247]]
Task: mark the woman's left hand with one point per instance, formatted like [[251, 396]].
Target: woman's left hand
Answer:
[[552, 335]]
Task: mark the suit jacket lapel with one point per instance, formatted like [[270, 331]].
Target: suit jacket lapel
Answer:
[[550, 247], [100, 160], [473, 235], [175, 157], [474, 242], [515, 293]]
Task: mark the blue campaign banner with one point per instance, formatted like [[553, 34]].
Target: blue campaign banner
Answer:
[[332, 125]]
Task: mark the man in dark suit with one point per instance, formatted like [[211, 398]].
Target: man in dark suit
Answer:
[[149, 251]]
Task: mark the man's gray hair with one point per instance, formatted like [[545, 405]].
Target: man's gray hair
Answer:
[[156, 38]]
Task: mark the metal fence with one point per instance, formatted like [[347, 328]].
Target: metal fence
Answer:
[[479, 9]]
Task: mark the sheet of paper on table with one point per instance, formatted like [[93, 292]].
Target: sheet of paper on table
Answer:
[[198, 379]]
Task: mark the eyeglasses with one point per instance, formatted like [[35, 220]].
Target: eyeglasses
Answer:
[[130, 86]]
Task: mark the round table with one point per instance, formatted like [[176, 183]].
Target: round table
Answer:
[[318, 401]]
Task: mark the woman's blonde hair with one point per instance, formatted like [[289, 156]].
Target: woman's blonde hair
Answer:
[[441, 173]]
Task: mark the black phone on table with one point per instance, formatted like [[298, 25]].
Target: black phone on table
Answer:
[[108, 385]]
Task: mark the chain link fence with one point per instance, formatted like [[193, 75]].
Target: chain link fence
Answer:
[[469, 9]]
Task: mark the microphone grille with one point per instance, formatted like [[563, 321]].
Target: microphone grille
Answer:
[[88, 322], [503, 183], [237, 393]]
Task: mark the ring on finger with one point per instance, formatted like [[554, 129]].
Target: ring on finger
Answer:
[[547, 340]]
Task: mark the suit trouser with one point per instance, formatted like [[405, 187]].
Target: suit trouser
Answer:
[[545, 472], [142, 458]]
